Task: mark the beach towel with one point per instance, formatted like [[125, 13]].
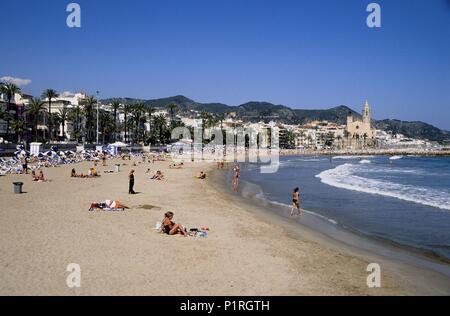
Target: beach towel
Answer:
[[108, 206]]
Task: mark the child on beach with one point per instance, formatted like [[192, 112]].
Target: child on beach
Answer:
[[169, 227], [296, 202]]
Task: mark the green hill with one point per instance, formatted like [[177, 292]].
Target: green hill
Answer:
[[264, 111]]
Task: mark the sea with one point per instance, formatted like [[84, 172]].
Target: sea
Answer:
[[401, 200]]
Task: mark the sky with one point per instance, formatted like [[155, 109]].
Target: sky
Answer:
[[304, 54]]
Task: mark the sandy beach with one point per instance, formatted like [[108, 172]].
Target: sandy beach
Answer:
[[120, 253]]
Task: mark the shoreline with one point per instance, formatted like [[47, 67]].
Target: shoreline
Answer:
[[247, 252], [396, 257], [368, 152]]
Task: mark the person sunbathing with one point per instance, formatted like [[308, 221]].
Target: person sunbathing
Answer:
[[93, 172], [73, 174], [34, 176], [176, 166], [41, 177], [169, 227], [201, 175], [158, 176]]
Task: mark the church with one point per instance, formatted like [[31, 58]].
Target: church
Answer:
[[359, 132]]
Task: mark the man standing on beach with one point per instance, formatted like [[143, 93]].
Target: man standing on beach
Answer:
[[131, 182]]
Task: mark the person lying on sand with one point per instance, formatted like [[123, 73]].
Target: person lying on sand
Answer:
[[169, 227], [158, 176], [201, 175], [176, 166], [73, 174], [93, 172]]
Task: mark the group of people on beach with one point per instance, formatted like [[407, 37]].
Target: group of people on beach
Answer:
[[92, 173], [38, 178]]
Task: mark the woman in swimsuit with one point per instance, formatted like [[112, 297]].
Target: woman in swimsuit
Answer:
[[296, 202], [170, 228], [237, 173]]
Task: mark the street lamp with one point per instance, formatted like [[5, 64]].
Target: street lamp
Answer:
[[98, 101]]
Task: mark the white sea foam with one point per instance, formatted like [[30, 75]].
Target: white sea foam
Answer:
[[395, 157], [365, 161], [344, 177], [352, 157]]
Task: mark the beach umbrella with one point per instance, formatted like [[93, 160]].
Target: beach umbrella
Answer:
[[22, 153], [119, 145]]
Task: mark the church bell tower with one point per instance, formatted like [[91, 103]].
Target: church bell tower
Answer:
[[366, 113]]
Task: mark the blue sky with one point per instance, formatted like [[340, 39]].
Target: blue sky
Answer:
[[304, 54]]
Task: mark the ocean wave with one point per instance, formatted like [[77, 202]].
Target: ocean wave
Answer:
[[344, 177], [365, 161], [352, 157]]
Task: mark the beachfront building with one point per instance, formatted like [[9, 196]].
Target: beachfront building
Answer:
[[319, 135], [61, 106], [389, 140], [359, 131], [15, 108]]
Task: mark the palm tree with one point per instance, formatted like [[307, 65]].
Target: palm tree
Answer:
[[347, 134], [365, 136], [56, 119], [138, 113], [116, 107], [204, 117], [160, 123], [74, 116], [50, 94], [35, 108], [150, 111], [126, 109], [9, 90], [88, 111], [107, 125], [19, 126], [172, 106], [63, 116], [221, 118]]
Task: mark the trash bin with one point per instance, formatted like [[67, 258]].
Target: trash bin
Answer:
[[117, 168], [18, 187]]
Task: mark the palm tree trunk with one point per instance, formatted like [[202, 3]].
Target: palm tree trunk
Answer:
[[50, 133], [115, 125], [63, 130]]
